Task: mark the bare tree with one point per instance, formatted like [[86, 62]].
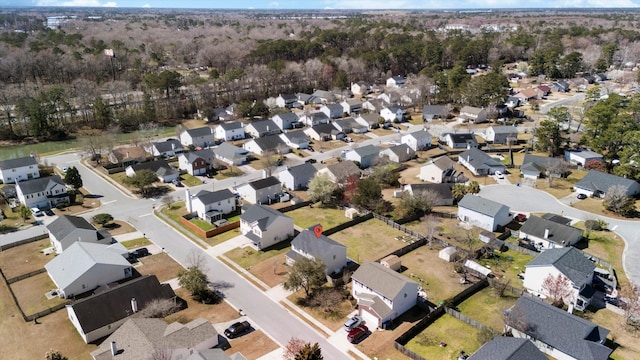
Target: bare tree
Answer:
[[617, 200], [556, 168], [631, 298], [558, 288], [159, 308], [432, 226], [293, 347], [161, 354]]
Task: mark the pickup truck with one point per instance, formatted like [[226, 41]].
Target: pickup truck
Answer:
[[237, 329]]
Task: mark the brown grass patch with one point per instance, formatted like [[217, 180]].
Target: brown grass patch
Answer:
[[30, 293], [334, 320], [119, 227], [24, 258], [215, 313], [627, 341], [271, 271], [380, 343], [160, 265], [252, 345]]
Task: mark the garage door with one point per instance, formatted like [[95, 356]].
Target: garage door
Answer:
[[370, 319]]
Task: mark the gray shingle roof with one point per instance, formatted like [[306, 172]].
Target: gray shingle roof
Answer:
[[536, 226], [348, 123], [229, 151], [264, 183], [151, 165], [169, 145], [508, 348], [481, 205], [444, 162], [309, 243], [570, 261], [19, 162], [205, 154], [234, 125], [367, 150], [370, 119], [302, 170], [421, 134], [66, 224], [569, 334], [600, 181], [296, 137], [113, 304], [210, 197], [201, 131], [264, 215], [342, 170], [438, 110], [444, 189], [381, 279], [287, 116], [264, 126], [479, 159], [271, 142], [39, 184], [462, 138], [504, 129], [326, 129], [139, 338]]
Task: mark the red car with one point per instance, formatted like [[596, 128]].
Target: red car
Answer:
[[357, 334], [521, 217]]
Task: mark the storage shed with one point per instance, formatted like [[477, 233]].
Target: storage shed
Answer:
[[448, 254], [392, 262]]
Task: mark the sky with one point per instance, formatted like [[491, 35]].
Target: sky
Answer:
[[332, 4]]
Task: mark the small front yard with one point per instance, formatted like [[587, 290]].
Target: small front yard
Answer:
[[136, 243], [216, 313], [220, 238], [487, 307], [30, 293], [608, 246], [561, 187], [160, 265], [267, 265], [190, 180], [369, 240], [25, 258], [309, 216], [454, 333], [333, 319]]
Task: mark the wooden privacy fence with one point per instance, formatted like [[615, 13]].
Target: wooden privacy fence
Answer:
[[25, 241], [24, 276]]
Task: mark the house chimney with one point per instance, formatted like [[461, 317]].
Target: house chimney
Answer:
[[187, 200], [546, 233], [134, 305], [114, 349]]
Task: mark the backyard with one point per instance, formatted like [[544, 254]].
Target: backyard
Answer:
[[25, 258], [369, 240], [507, 265], [454, 333], [309, 216], [487, 307], [30, 293]]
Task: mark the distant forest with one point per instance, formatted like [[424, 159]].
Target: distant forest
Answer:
[[168, 64]]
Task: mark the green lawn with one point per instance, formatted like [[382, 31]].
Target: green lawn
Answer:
[[369, 240], [220, 238], [130, 244], [202, 224], [455, 333], [247, 257], [507, 265], [190, 180], [488, 308], [327, 217]]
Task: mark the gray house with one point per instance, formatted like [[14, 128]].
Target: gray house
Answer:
[[501, 134], [310, 246], [297, 177], [445, 196], [480, 163], [556, 332], [364, 155], [483, 213], [262, 128], [508, 348], [431, 112], [597, 183], [549, 234], [230, 154]]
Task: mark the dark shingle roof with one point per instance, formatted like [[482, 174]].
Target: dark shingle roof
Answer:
[[229, 151], [210, 197], [342, 170], [385, 281], [600, 181], [271, 142], [287, 117], [508, 348], [444, 189], [326, 129], [39, 184], [481, 205], [570, 261], [479, 159], [234, 125], [66, 224], [536, 226], [264, 215], [19, 162], [264, 126], [439, 110], [308, 243], [567, 333], [205, 154], [151, 165], [367, 150], [201, 131], [304, 169], [169, 145], [114, 304], [264, 183], [459, 138]]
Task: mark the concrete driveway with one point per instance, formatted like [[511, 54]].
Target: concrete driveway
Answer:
[[527, 199]]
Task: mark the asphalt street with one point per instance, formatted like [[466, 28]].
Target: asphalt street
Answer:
[[526, 199]]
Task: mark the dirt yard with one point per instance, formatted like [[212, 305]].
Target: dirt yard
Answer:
[[271, 271], [24, 258], [30, 293], [119, 227], [160, 265]]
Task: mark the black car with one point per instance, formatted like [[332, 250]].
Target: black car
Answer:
[[237, 329], [49, 212], [138, 253], [311, 161], [582, 196]]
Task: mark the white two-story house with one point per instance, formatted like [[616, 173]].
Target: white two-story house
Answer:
[[14, 170]]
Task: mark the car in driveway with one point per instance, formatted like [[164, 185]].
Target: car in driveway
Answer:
[[352, 323], [520, 217], [138, 253], [582, 196], [49, 212], [499, 174], [36, 212], [357, 334], [236, 329]]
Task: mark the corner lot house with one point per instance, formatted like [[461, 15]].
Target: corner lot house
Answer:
[[265, 226], [14, 170], [438, 170], [68, 229], [261, 191], [196, 162], [596, 183], [382, 294], [483, 213], [480, 163], [417, 140], [83, 267], [297, 177], [508, 348], [141, 338], [557, 333], [501, 134], [198, 137], [102, 313], [307, 244], [210, 206], [548, 234], [569, 263], [161, 168], [42, 193], [128, 155]]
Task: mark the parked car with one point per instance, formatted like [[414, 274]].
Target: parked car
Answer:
[[237, 329], [499, 174], [311, 161], [520, 217], [358, 334], [352, 323], [138, 253], [582, 196], [36, 212], [49, 212], [177, 183]]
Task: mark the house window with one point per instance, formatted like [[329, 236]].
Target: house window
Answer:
[[405, 294], [83, 286]]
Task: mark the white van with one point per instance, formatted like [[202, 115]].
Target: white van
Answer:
[[36, 212]]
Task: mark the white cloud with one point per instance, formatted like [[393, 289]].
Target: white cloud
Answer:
[[274, 4], [110, 4], [146, 6]]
